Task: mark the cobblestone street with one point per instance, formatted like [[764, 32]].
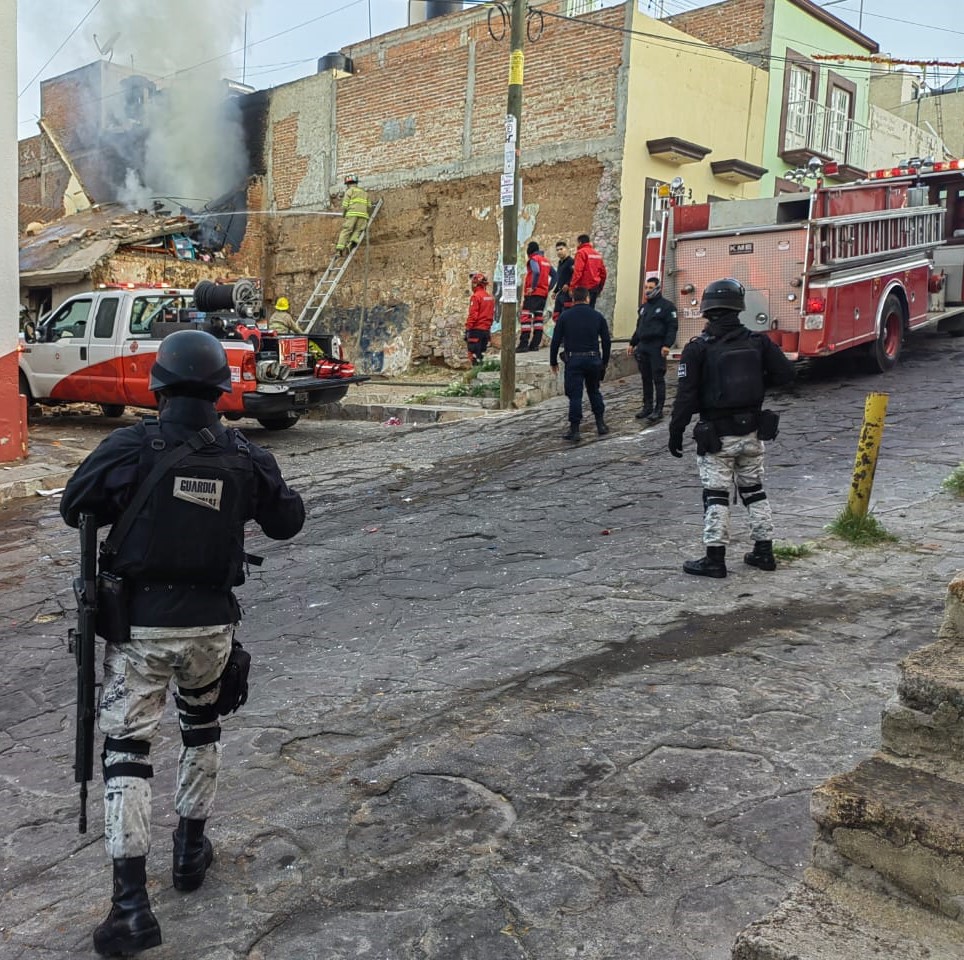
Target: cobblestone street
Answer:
[[490, 717]]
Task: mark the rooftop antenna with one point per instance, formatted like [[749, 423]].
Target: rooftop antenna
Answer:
[[106, 49]]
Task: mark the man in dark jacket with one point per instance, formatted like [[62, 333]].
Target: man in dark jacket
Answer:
[[723, 375], [179, 561], [563, 279], [655, 334], [584, 334]]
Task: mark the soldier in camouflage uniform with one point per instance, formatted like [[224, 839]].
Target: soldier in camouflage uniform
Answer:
[[723, 375], [179, 560]]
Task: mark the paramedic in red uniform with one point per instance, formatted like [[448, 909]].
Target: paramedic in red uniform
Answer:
[[479, 321], [588, 270], [540, 277]]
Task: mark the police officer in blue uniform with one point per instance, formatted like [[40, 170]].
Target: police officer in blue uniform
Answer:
[[723, 376], [584, 334], [182, 555], [655, 334]]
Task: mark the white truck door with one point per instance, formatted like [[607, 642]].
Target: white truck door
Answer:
[[58, 357], [103, 360]]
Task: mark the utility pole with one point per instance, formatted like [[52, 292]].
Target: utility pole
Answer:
[[510, 196]]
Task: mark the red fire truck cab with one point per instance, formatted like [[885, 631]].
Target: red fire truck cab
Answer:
[[830, 269]]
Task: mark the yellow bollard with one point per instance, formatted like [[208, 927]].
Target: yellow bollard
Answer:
[[868, 447]]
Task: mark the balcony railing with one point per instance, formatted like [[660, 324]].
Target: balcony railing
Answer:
[[815, 128]]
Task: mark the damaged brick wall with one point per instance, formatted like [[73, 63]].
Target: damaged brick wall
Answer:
[[405, 298], [130, 266]]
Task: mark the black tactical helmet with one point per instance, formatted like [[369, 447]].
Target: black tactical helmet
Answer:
[[191, 359], [727, 294]]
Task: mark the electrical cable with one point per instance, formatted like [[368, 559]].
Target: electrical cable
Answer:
[[61, 47]]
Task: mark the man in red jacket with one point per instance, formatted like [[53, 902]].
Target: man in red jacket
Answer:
[[540, 277], [479, 321], [588, 270]]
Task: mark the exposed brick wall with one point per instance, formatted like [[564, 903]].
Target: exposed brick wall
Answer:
[[406, 105], [730, 24], [30, 169], [288, 167]]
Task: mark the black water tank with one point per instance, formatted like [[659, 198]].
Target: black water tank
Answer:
[[336, 62]]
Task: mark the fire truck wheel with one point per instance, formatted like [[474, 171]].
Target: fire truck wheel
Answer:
[[885, 350], [112, 409], [278, 423]]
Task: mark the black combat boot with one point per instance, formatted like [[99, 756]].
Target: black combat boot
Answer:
[[602, 428], [193, 854], [130, 926], [645, 412], [712, 565], [573, 433], [656, 415], [762, 557]]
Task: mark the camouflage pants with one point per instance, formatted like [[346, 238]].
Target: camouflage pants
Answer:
[[740, 461], [136, 679]]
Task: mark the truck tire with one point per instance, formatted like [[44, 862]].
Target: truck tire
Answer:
[[278, 423], [24, 387], [112, 409], [885, 350]]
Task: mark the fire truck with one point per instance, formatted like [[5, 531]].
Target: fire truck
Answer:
[[833, 268], [99, 348]]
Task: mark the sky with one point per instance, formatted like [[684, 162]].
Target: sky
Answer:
[[285, 38]]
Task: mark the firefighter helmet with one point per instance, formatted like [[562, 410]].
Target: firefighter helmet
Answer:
[[351, 178], [190, 359], [479, 280], [726, 294], [282, 303]]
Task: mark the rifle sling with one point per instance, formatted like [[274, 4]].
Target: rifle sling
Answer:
[[204, 437]]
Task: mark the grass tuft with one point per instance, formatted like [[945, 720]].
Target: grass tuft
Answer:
[[864, 531], [955, 482], [792, 551]]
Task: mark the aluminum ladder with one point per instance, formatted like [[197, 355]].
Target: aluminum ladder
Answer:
[[329, 280], [880, 235]]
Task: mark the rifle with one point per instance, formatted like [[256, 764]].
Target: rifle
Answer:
[[80, 642]]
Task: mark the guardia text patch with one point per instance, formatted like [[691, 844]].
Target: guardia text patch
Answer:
[[681, 373], [203, 492]]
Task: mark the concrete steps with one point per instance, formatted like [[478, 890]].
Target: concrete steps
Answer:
[[826, 919], [384, 400], [887, 874], [924, 725], [896, 824]]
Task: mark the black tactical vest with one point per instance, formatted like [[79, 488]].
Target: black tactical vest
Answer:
[[732, 373], [191, 530]]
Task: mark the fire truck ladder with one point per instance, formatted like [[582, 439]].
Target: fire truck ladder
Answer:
[[325, 287], [879, 235]]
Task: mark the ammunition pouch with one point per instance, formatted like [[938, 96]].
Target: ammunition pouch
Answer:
[[234, 681], [769, 425], [706, 437], [113, 621]]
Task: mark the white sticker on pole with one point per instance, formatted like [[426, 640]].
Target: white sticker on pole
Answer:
[[508, 283], [507, 189], [511, 128], [508, 159]]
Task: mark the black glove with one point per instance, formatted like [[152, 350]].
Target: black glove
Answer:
[[602, 374], [676, 444]]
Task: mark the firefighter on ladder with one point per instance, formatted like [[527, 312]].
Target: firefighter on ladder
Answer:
[[357, 210], [479, 321]]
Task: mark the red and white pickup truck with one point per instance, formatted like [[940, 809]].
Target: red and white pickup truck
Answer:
[[99, 347]]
